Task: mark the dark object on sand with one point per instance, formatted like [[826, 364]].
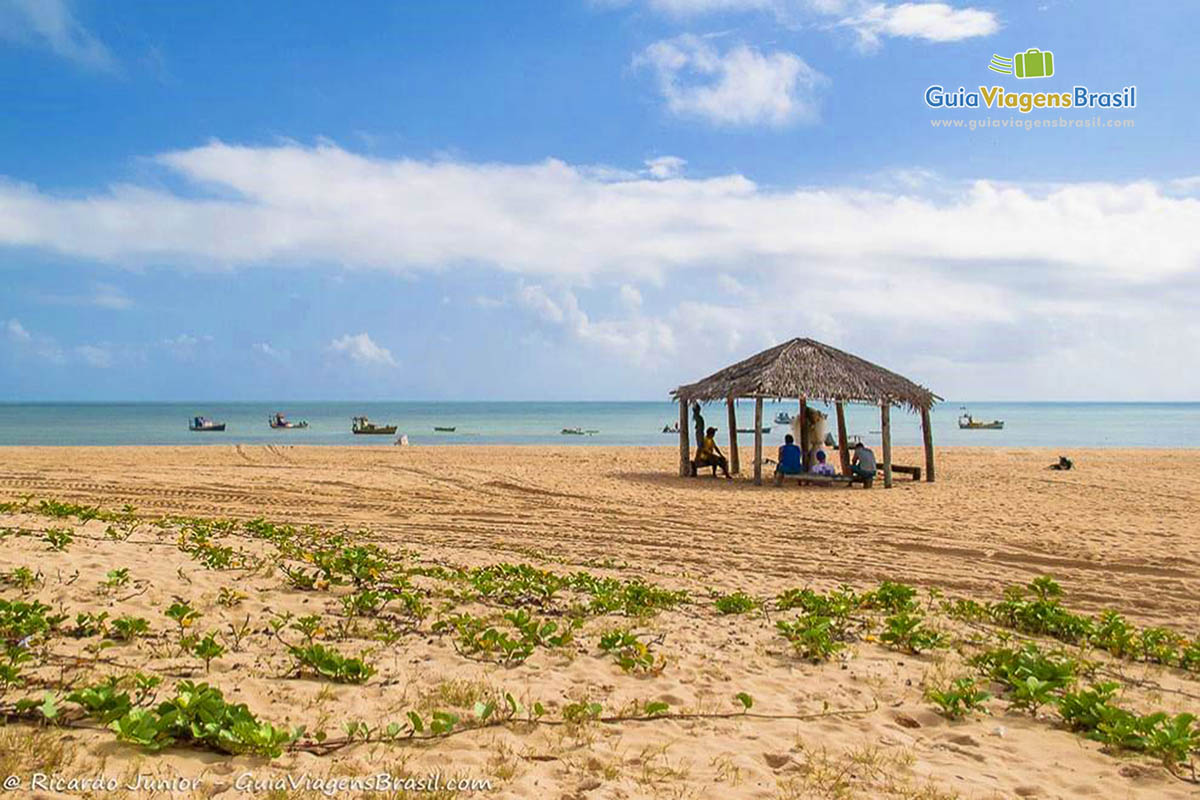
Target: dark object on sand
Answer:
[[1064, 463]]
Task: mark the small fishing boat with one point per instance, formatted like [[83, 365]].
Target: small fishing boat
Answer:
[[205, 425], [278, 420], [766, 429], [968, 423], [444, 429], [783, 418], [362, 425], [578, 432], [671, 429]]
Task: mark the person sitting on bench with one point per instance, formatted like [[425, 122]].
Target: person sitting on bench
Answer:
[[790, 461], [709, 455], [863, 464], [822, 467]]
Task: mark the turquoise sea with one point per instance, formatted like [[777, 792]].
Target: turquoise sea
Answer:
[[1062, 425]]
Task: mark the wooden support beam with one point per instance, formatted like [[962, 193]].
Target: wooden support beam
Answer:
[[734, 465], [804, 443], [927, 434], [685, 458], [843, 446], [758, 458], [885, 414]]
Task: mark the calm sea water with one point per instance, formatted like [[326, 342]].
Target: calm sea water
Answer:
[[1026, 424]]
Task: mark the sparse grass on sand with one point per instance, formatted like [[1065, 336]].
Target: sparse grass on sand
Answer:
[[140, 643]]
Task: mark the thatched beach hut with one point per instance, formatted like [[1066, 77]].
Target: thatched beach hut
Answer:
[[806, 369]]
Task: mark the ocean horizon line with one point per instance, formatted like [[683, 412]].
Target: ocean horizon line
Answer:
[[582, 422]]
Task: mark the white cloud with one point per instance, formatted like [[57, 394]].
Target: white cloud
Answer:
[[639, 339], [26, 342], [688, 8], [303, 206], [664, 167], [870, 20], [16, 331], [50, 24], [630, 297], [95, 355], [978, 284], [362, 350], [971, 274], [103, 295], [740, 86], [275, 354], [932, 22], [110, 297], [185, 346]]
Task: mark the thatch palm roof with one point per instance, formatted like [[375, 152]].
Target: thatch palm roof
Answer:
[[812, 370]]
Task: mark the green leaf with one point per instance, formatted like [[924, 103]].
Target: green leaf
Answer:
[[746, 700], [49, 707]]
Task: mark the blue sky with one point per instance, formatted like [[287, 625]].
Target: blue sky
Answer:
[[587, 199]]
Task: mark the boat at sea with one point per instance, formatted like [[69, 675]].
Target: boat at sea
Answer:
[[205, 425], [362, 425], [783, 418], [578, 432], [969, 423], [445, 428], [766, 429], [278, 420]]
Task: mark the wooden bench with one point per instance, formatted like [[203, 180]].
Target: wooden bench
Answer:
[[915, 472], [833, 480]]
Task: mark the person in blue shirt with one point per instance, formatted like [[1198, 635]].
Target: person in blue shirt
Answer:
[[791, 461]]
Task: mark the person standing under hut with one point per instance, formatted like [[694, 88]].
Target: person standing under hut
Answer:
[[709, 455]]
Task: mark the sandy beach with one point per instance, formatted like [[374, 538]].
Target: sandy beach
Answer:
[[1121, 531]]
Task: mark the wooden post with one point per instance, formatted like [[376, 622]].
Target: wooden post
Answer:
[[804, 443], [885, 413], [927, 433], [843, 446], [734, 466], [685, 459], [758, 441]]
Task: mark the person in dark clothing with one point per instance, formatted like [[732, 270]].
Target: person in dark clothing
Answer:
[[698, 424]]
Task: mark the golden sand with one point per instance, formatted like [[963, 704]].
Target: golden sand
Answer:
[[1120, 531]]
